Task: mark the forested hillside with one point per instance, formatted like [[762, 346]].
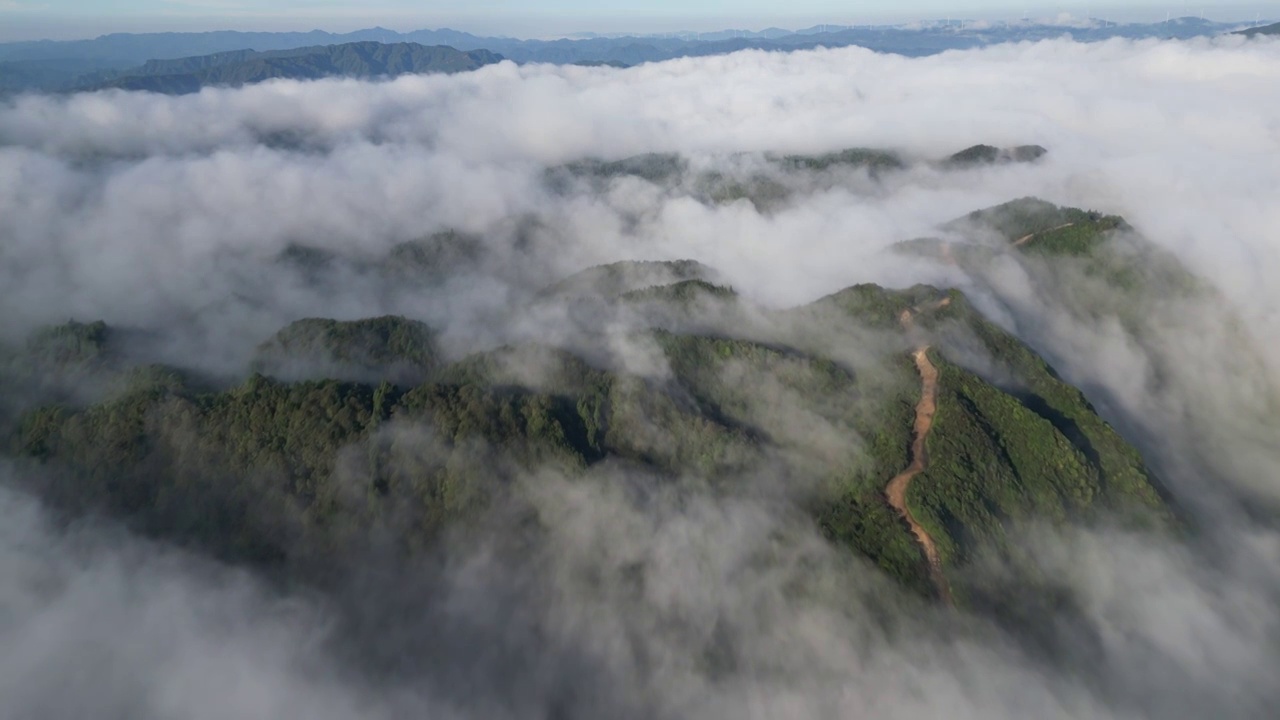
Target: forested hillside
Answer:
[[346, 430]]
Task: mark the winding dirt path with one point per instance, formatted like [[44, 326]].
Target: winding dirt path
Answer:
[[1028, 238], [896, 491]]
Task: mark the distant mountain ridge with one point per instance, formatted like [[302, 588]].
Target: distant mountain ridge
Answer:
[[64, 65], [1272, 29], [359, 60]]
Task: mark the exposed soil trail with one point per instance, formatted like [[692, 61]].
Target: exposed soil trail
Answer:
[[1028, 238], [896, 491], [947, 256]]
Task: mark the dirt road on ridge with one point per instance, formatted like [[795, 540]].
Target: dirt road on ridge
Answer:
[[896, 491]]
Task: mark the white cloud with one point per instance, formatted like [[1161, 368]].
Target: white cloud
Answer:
[[1178, 137], [165, 212]]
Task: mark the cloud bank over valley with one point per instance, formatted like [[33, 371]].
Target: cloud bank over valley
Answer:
[[671, 562]]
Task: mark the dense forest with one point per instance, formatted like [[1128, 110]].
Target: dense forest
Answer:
[[340, 432]]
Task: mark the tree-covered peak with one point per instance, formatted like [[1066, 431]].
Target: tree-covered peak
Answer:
[[1041, 226], [615, 280], [868, 158], [71, 343], [389, 347], [681, 293], [991, 155], [435, 254], [876, 306]]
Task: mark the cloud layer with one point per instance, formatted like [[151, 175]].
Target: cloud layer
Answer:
[[170, 214]]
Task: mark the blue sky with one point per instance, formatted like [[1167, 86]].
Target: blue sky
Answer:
[[82, 18]]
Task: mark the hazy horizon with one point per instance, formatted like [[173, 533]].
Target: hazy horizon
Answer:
[[22, 23]]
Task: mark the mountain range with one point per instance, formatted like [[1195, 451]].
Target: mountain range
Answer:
[[923, 450], [80, 64], [353, 60]]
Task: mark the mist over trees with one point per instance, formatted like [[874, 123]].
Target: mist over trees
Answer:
[[725, 386]]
